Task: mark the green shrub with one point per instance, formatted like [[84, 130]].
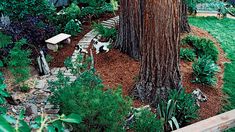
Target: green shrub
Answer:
[[146, 122], [104, 31], [24, 88], [73, 27], [72, 12], [206, 47], [3, 93], [204, 70], [101, 110], [187, 54], [96, 10], [5, 40], [186, 107], [17, 10], [190, 39], [202, 46], [18, 62]]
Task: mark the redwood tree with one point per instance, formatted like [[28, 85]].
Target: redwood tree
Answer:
[[184, 25], [128, 37], [159, 43]]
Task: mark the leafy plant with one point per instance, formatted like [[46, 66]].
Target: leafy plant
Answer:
[[101, 110], [73, 27], [190, 40], [17, 10], [202, 46], [18, 62], [36, 29], [66, 14], [146, 121], [105, 31], [3, 92], [5, 40], [24, 88], [166, 111], [206, 47], [40, 124], [204, 70], [72, 12], [96, 9], [186, 107], [187, 54]]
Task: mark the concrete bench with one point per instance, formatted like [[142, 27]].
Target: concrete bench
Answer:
[[52, 43]]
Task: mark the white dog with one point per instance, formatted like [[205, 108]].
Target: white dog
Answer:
[[101, 46]]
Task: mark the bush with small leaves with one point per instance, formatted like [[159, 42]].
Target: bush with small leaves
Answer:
[[186, 107], [204, 70], [187, 54], [73, 27], [146, 121], [18, 62], [101, 110]]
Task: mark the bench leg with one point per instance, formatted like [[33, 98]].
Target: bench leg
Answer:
[[53, 47], [67, 41]]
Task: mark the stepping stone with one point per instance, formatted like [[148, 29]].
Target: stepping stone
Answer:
[[40, 84]]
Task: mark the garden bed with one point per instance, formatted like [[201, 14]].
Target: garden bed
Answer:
[[117, 69], [67, 50]]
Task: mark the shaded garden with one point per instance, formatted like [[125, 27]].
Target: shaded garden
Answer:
[[142, 71]]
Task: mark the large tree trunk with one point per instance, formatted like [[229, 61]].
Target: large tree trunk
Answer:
[[128, 38], [159, 43], [184, 25]]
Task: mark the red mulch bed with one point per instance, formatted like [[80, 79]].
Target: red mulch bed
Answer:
[[116, 69]]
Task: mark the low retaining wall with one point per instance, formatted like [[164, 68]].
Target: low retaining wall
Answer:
[[214, 124]]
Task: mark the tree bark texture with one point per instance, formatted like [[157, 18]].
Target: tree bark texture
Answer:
[[159, 44], [184, 25], [128, 38]]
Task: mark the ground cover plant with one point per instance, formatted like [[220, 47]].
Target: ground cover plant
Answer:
[[223, 32]]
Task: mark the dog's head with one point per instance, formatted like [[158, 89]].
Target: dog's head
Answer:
[[94, 41]]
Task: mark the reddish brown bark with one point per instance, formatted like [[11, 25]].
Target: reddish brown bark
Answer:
[[184, 25], [159, 44], [128, 38]]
